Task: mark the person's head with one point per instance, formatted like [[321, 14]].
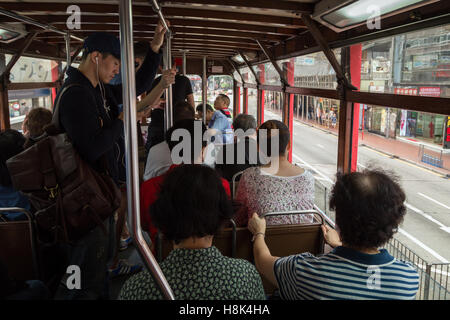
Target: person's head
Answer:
[[187, 135], [244, 121], [102, 52], [11, 144], [222, 102], [209, 111], [369, 207], [192, 203], [183, 110], [36, 120], [140, 52], [270, 132]]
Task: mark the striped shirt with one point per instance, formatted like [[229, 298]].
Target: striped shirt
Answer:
[[346, 274]]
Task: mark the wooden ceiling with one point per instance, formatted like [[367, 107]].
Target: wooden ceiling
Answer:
[[215, 28]]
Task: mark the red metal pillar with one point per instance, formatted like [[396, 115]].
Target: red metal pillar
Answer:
[[288, 112], [236, 99], [245, 101], [355, 76], [262, 94]]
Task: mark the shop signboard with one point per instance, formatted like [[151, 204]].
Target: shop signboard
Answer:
[[406, 91], [430, 91]]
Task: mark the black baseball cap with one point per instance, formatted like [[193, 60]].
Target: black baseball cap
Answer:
[[102, 42]]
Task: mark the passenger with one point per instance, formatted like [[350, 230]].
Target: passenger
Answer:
[[278, 185], [150, 188], [244, 149], [221, 120], [11, 144], [209, 112], [191, 208], [181, 90], [158, 159], [34, 123], [369, 208], [89, 114]]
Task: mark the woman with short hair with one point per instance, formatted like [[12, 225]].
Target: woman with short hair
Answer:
[[277, 186], [191, 208], [369, 207]]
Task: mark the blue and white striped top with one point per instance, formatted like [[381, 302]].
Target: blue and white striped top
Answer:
[[345, 274]]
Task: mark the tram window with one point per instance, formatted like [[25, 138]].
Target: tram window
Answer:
[[220, 84], [196, 84]]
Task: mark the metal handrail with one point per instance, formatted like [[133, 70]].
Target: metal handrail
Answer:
[[131, 145], [292, 212], [157, 9], [233, 183], [37, 267], [28, 20]]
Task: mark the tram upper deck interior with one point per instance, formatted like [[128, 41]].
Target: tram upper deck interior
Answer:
[[254, 42]]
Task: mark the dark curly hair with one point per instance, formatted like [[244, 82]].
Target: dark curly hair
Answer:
[[369, 207], [192, 202]]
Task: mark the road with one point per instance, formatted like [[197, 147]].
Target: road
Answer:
[[426, 227]]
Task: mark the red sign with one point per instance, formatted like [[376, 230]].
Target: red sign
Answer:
[[430, 91], [447, 134], [406, 91]]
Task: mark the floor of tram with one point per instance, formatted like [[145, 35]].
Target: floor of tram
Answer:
[[132, 256]]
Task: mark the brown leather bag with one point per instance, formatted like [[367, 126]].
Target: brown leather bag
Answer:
[[70, 197]]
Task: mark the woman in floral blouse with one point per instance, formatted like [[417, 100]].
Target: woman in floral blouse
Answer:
[[191, 207], [277, 186]]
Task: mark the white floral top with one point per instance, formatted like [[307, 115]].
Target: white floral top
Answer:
[[262, 193]]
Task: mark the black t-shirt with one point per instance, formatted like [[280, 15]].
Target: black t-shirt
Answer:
[[180, 89]]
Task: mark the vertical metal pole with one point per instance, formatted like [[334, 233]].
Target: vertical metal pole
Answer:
[[184, 63], [67, 36], [131, 144], [204, 93], [168, 110]]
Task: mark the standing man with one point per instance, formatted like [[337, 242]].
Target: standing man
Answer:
[[89, 114]]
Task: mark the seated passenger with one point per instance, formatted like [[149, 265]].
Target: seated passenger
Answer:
[[191, 207], [243, 153], [33, 125], [195, 146], [277, 186], [369, 208], [221, 120], [11, 144], [209, 112], [158, 159]]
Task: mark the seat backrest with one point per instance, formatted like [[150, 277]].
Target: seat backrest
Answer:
[[282, 240], [18, 246]]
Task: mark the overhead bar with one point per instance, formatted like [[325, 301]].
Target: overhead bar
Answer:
[[157, 9], [131, 145], [275, 65], [34, 22], [248, 65]]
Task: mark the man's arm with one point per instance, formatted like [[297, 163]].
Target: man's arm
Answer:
[[264, 260], [190, 100], [83, 125]]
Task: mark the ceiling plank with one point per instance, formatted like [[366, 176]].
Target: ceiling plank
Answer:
[[261, 4], [33, 8]]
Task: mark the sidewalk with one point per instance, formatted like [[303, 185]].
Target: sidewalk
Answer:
[[399, 148]]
